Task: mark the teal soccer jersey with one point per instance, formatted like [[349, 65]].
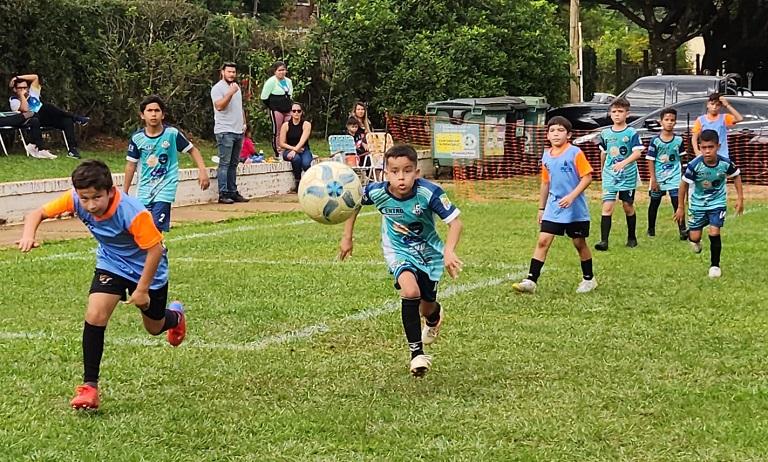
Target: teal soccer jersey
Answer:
[[708, 182], [617, 147], [408, 234], [666, 156], [158, 159]]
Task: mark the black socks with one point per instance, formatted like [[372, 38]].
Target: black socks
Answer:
[[535, 269], [93, 349], [715, 247], [412, 325]]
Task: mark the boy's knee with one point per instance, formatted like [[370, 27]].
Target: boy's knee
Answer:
[[410, 292]]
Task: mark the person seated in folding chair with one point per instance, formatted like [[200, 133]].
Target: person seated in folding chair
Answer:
[[26, 97], [22, 121]]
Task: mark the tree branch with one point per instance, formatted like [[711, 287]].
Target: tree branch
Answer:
[[623, 9]]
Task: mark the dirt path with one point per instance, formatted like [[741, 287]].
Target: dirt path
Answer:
[[69, 228]]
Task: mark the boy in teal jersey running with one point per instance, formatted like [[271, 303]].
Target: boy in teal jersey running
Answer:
[[620, 148], [412, 248], [563, 208], [708, 174], [665, 152], [156, 149]]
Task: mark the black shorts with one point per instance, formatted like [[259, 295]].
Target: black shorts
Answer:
[[427, 287], [576, 229], [105, 282], [161, 215]]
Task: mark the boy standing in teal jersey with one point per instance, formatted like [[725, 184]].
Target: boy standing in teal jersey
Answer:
[[620, 148], [156, 149], [412, 248]]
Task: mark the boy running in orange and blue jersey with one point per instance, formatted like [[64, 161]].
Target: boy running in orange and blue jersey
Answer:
[[130, 258]]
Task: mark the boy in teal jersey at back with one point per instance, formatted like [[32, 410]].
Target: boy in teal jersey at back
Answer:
[[156, 149], [412, 248], [620, 148], [665, 152], [131, 262], [563, 209], [708, 174]]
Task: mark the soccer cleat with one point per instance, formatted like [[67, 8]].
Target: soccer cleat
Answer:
[[696, 247], [525, 286], [631, 243], [420, 365], [601, 246], [651, 232], [429, 333], [86, 397], [714, 272], [586, 286], [176, 334]]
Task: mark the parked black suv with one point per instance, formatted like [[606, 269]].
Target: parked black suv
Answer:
[[647, 94]]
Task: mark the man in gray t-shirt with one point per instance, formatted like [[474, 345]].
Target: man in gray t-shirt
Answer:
[[229, 126]]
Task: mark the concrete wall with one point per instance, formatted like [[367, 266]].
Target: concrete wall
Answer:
[[254, 180]]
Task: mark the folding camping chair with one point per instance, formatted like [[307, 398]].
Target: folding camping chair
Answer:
[[378, 143], [343, 149]]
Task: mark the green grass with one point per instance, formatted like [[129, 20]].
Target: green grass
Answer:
[[18, 167], [660, 363]]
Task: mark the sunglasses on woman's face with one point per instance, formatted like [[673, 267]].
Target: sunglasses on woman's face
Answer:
[[297, 111]]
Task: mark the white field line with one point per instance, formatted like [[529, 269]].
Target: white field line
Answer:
[[186, 237], [285, 337]]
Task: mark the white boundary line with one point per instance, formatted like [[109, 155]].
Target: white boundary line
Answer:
[[285, 337]]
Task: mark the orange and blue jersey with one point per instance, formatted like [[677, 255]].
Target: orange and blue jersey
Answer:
[[563, 169], [124, 234], [719, 124]]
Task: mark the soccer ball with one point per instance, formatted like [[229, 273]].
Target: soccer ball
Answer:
[[330, 192]]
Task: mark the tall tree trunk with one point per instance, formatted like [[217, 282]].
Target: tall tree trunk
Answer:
[[663, 54]]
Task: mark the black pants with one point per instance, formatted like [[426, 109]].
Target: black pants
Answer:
[[51, 116], [31, 124]]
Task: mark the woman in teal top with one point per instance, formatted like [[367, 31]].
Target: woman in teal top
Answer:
[[277, 95]]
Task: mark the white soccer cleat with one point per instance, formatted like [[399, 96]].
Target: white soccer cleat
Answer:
[[714, 272], [525, 286], [429, 334], [420, 365], [696, 247], [586, 286]]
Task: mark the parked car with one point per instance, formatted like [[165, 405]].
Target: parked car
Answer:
[[754, 110], [602, 98], [647, 94]]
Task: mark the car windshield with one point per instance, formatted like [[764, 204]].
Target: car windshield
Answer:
[[647, 94]]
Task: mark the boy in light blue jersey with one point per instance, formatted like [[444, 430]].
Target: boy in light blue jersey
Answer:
[[131, 262], [412, 248], [714, 120], [563, 209], [155, 148], [709, 175], [620, 148], [665, 152]]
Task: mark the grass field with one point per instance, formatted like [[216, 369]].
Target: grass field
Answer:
[[18, 167], [293, 356]]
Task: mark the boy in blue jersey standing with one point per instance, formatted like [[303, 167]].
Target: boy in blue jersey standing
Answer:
[[412, 248], [665, 152], [714, 120], [156, 149], [563, 209], [620, 148], [708, 173], [130, 258]]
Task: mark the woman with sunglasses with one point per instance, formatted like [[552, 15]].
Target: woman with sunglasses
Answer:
[[276, 95], [294, 142]]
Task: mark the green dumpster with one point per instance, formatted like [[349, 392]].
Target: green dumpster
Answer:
[[535, 116], [467, 129]]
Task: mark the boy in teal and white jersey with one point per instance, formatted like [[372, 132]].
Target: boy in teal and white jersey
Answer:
[[620, 148], [155, 148], [665, 152], [412, 248], [708, 173]]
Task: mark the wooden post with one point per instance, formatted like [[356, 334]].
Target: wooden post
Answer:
[[574, 46], [619, 57]]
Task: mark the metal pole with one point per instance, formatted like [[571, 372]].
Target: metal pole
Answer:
[[255, 7], [574, 46]]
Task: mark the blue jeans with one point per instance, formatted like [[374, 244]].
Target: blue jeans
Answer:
[[229, 145], [301, 161]]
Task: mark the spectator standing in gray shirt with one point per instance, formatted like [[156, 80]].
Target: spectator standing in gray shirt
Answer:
[[229, 126]]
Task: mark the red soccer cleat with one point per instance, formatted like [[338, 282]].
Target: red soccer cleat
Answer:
[[176, 334], [86, 397]]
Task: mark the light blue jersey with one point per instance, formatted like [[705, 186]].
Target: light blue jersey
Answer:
[[618, 145], [564, 172], [408, 234], [666, 156], [709, 181], [158, 159]]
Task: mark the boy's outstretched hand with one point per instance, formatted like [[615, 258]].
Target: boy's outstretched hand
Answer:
[[27, 244], [345, 248], [452, 264]]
